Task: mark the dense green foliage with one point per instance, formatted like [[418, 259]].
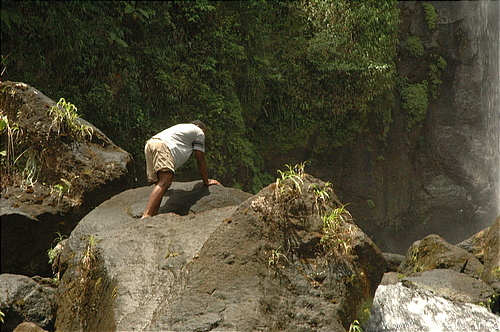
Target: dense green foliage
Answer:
[[265, 76]]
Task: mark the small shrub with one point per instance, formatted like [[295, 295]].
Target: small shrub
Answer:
[[336, 238], [61, 189], [430, 15], [496, 272], [53, 252], [435, 76], [415, 46], [11, 132], [415, 102], [66, 119], [89, 258], [290, 180], [32, 166], [355, 327], [322, 196], [276, 257]]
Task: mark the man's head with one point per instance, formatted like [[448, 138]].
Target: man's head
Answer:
[[201, 125]]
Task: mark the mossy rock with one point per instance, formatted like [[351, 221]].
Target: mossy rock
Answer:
[[433, 252]]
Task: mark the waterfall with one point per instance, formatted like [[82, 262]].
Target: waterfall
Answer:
[[397, 308], [490, 10], [485, 27]]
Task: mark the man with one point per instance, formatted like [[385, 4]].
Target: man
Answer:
[[166, 152]]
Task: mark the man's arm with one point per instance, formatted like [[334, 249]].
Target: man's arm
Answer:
[[202, 168]]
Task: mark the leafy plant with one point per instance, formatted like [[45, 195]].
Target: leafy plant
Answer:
[[53, 252], [32, 164], [355, 327], [291, 179], [435, 76], [430, 15], [415, 102], [66, 119], [26, 166], [415, 46], [89, 257], [495, 271], [61, 189], [11, 131], [322, 196], [276, 256], [336, 235]]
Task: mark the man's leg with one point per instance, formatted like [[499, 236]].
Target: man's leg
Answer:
[[164, 182]]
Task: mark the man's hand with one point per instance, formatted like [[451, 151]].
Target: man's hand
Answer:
[[212, 182], [202, 167]]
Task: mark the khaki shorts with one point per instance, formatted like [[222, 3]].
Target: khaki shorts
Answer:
[[158, 158]]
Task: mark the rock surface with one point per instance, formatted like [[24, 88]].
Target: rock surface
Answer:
[[217, 267], [29, 327], [24, 300], [491, 271], [485, 246], [393, 261], [58, 179], [452, 285], [399, 308]]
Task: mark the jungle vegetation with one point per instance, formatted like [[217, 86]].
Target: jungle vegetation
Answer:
[[265, 76]]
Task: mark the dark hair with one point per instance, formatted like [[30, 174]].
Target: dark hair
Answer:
[[199, 124]]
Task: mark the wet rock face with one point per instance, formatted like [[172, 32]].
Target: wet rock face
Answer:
[[459, 160], [58, 178], [236, 267], [454, 174]]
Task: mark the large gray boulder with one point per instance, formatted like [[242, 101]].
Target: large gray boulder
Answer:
[[259, 265], [123, 266], [55, 180]]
